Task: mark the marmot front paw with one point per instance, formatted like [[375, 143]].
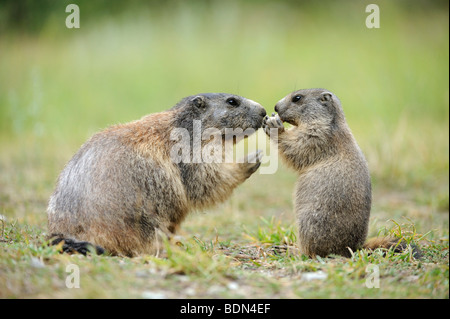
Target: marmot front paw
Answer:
[[252, 162], [273, 122]]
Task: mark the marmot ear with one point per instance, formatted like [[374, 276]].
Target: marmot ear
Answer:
[[326, 97], [199, 101]]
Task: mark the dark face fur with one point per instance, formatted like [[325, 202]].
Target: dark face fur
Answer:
[[220, 110], [310, 106]]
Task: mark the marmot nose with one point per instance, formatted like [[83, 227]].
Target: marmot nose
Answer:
[[263, 112], [276, 108]]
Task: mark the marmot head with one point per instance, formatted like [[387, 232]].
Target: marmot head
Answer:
[[314, 107], [220, 111]]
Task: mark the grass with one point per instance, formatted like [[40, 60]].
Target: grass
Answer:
[[59, 86], [255, 267]]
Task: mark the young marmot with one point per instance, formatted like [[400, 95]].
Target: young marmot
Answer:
[[333, 193], [123, 187]]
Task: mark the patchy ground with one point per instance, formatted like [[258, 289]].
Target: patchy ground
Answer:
[[225, 253]]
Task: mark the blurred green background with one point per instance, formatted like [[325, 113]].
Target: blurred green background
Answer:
[[58, 86]]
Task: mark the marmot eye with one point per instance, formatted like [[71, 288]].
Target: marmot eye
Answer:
[[296, 98], [233, 102]]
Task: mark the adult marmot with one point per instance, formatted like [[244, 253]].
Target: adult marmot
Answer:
[[123, 186], [333, 193]]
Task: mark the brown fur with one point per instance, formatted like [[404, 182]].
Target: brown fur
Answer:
[[332, 198], [392, 243], [381, 242], [121, 190]]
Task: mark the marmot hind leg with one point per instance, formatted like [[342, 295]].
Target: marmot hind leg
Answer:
[[71, 245]]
